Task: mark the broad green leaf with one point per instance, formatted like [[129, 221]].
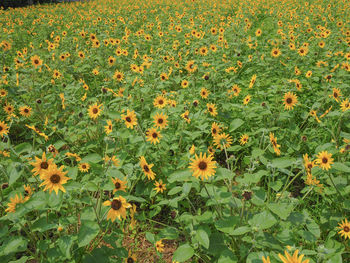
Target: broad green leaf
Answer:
[[227, 256], [227, 225], [203, 238], [183, 253], [92, 157], [241, 230], [235, 124], [282, 162], [65, 243], [263, 220], [283, 210], [87, 232], [180, 176], [14, 244], [341, 167]]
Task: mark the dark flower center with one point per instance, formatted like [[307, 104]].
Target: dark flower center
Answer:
[[324, 160], [160, 121], [116, 204], [160, 101], [145, 167], [346, 229], [214, 131], [128, 119], [289, 100], [154, 135], [26, 110], [44, 165], [130, 260], [55, 178], [94, 110], [202, 165], [1, 128], [36, 61], [335, 95], [117, 185]]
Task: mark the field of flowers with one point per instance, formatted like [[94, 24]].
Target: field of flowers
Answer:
[[175, 131]]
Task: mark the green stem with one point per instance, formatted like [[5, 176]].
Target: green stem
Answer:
[[287, 185]]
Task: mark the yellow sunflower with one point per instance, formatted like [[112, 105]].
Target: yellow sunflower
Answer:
[[275, 146], [54, 178], [215, 129], [84, 167], [153, 135], [159, 246], [131, 258], [324, 160], [9, 109], [266, 260], [222, 141], [108, 127], [293, 259], [41, 165], [204, 93], [202, 166], [36, 61], [14, 201], [130, 119], [185, 116], [147, 168], [159, 186], [244, 139], [25, 111], [119, 76], [275, 52], [344, 227], [118, 208], [212, 109], [345, 105], [119, 185], [4, 129], [336, 94], [246, 99], [159, 102], [289, 100], [95, 111], [160, 120]]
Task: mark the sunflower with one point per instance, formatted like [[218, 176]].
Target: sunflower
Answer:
[[202, 166], [191, 67], [212, 109], [130, 119], [345, 105], [185, 116], [119, 185], [266, 260], [159, 246], [9, 108], [308, 74], [275, 52], [244, 139], [222, 141], [276, 146], [345, 229], [236, 90], [336, 94], [246, 99], [84, 167], [36, 61], [114, 160], [324, 160], [184, 83], [25, 111], [41, 165], [289, 100], [252, 81], [293, 259], [131, 257], [118, 208], [160, 102], [108, 127], [192, 149], [160, 120], [164, 76], [3, 93], [159, 186], [81, 54], [119, 76], [308, 164], [153, 135], [95, 111], [302, 51], [258, 32], [215, 129], [3, 128], [14, 201], [111, 60], [28, 192], [147, 168], [203, 51], [204, 93], [54, 178]]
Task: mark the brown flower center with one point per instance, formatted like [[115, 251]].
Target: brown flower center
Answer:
[[1, 128], [346, 229], [160, 102], [55, 178], [116, 204], [154, 135], [94, 110], [44, 165], [324, 160], [36, 61], [128, 119], [202, 165], [145, 167], [117, 185], [130, 260], [26, 110], [160, 121], [289, 100]]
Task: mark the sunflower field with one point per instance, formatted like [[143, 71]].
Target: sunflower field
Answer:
[[175, 131]]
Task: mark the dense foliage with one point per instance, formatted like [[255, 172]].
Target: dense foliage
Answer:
[[217, 128]]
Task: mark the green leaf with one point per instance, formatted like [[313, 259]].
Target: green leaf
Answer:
[[227, 256], [263, 220], [236, 123], [65, 243], [180, 176], [283, 210], [42, 225], [92, 157], [175, 190], [23, 147], [282, 162], [183, 253], [87, 232], [16, 171], [341, 167], [241, 230], [13, 245], [150, 237], [202, 238], [227, 225]]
